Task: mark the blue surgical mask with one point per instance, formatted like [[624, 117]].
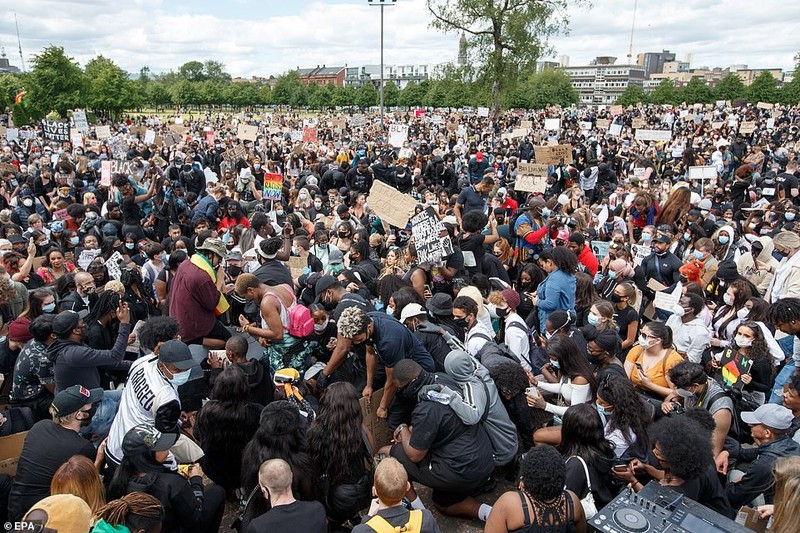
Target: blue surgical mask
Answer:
[[698, 254], [789, 216], [74, 241], [129, 245], [593, 319], [181, 377], [723, 239], [687, 237], [546, 212], [612, 274], [49, 308], [554, 363], [602, 410], [646, 237]]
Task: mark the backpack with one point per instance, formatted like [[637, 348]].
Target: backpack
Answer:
[[536, 356], [300, 322], [18, 419], [742, 401], [414, 525], [492, 353]]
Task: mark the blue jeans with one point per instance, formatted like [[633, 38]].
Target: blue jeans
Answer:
[[783, 377], [102, 419]]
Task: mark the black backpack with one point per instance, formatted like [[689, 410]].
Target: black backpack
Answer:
[[742, 401]]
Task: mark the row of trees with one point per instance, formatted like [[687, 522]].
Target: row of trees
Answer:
[[57, 84], [763, 89]]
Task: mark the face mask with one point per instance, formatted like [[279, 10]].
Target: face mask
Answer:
[[777, 255], [546, 212], [89, 415], [460, 322], [319, 328], [49, 308], [181, 377], [601, 410], [643, 342], [593, 319], [723, 239], [698, 255], [343, 234], [27, 202], [743, 342], [257, 166], [727, 298], [501, 312], [555, 364], [303, 196], [789, 216], [678, 310], [684, 393], [390, 310], [74, 241], [234, 271], [742, 313], [612, 274], [317, 205], [335, 269], [616, 298], [646, 237], [687, 237], [129, 245]]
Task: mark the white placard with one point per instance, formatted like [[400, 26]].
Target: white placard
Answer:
[[12, 134], [615, 130], [398, 133], [552, 124], [667, 300], [112, 265], [483, 111], [149, 137], [703, 173], [653, 135], [585, 125], [640, 252], [87, 256], [103, 132], [79, 118], [179, 121]]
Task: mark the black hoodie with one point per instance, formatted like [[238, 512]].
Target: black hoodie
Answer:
[[182, 501]]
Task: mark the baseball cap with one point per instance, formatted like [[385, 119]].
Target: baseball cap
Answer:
[[411, 310], [60, 513], [661, 237], [771, 415], [65, 321], [215, 246], [324, 283], [146, 438], [335, 256], [177, 354], [70, 400]]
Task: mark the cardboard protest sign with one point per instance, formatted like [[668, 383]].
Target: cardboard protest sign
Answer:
[[600, 249], [732, 366], [553, 155], [552, 123], [235, 153], [398, 133], [531, 177], [518, 132], [339, 123], [764, 105], [653, 135], [247, 133], [180, 130], [103, 132], [296, 266], [527, 124], [309, 135], [602, 123], [359, 120], [638, 123], [430, 237], [483, 111], [10, 451], [392, 206], [87, 256], [615, 110], [717, 125], [79, 119], [376, 426], [273, 186], [105, 173], [55, 130], [747, 128], [138, 131], [112, 265]]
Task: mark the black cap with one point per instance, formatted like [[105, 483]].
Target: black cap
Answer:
[[440, 304], [663, 238], [146, 438], [13, 239], [324, 283], [65, 321], [177, 354], [71, 400]]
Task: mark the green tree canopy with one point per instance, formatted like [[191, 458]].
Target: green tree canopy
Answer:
[[632, 95], [367, 96], [763, 89], [56, 83], [109, 88], [731, 88], [697, 92], [665, 93]]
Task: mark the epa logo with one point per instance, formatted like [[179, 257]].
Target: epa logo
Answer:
[[33, 527]]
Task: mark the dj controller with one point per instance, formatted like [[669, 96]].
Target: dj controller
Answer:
[[658, 509]]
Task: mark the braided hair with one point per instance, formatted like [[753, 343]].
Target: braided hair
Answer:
[[784, 311], [136, 511]]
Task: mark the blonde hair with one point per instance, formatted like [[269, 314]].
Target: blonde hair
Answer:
[[606, 310], [61, 420], [79, 477], [391, 481], [787, 496]]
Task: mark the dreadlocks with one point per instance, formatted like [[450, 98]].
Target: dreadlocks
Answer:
[[136, 511], [784, 311]]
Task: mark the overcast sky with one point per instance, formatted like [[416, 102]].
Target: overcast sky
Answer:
[[262, 37]]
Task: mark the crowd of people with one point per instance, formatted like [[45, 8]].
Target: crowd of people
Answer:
[[177, 337]]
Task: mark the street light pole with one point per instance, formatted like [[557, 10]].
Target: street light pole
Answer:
[[382, 4]]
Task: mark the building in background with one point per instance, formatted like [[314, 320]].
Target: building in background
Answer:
[[602, 81], [322, 75], [653, 62], [5, 65]]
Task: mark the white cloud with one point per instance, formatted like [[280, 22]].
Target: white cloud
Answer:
[[164, 35]]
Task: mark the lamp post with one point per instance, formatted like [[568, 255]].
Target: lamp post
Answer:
[[382, 4]]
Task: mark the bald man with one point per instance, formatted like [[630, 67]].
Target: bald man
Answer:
[[82, 298], [287, 515]]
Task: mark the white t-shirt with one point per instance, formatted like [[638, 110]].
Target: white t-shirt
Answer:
[[517, 340], [145, 392]]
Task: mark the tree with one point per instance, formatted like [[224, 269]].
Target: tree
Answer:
[[286, 88], [697, 92], [633, 95], [214, 70], [367, 96], [551, 87], [192, 71], [763, 89], [391, 94], [731, 88], [665, 93], [185, 93], [509, 36], [56, 83], [158, 95], [413, 95], [109, 88], [327, 95], [265, 95]]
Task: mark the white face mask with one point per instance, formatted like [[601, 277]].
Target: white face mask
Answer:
[[678, 310], [727, 298], [684, 393], [743, 342]]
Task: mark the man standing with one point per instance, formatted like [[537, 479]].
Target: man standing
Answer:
[[473, 198], [196, 298], [49, 444]]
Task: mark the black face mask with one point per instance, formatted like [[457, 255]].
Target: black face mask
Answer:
[[460, 322], [501, 312], [234, 271], [90, 414], [616, 298]]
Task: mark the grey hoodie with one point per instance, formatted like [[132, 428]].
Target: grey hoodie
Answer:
[[470, 405]]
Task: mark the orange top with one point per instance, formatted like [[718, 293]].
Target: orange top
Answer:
[[658, 372]]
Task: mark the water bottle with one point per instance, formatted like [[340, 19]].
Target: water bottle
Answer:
[[438, 397]]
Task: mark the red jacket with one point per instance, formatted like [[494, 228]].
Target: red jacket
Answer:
[[587, 259]]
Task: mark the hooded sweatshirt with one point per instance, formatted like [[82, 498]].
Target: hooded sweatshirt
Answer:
[[760, 278], [479, 393]]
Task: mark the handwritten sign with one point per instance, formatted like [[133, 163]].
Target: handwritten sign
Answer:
[[638, 123], [518, 132], [585, 125], [747, 127], [602, 123], [398, 133], [667, 300], [79, 119], [483, 111], [55, 130], [615, 130], [531, 177], [296, 266], [273, 186], [309, 135], [246, 132], [149, 136], [430, 237], [235, 153], [553, 155], [87, 256], [615, 110], [392, 206], [653, 135], [12, 134], [112, 265], [765, 105]]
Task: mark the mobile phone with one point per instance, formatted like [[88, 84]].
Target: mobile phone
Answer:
[[532, 391], [619, 468], [639, 367], [428, 289]]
